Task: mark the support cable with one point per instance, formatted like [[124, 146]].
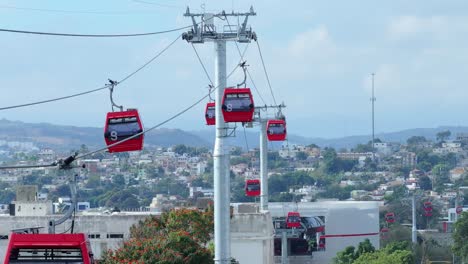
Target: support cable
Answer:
[[203, 65], [94, 90], [242, 55], [266, 73], [245, 137], [65, 163], [92, 35], [156, 126]]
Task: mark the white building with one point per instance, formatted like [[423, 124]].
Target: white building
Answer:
[[347, 223]]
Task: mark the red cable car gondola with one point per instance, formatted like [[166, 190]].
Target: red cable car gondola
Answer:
[[390, 217], [276, 130], [237, 105], [427, 213], [427, 206], [252, 187], [293, 220], [210, 114], [49, 248], [122, 125]]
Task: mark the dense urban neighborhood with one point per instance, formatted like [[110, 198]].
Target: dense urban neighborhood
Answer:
[[159, 179]]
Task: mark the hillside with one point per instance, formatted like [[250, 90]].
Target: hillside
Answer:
[[58, 136]]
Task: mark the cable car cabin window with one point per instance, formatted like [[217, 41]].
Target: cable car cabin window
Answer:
[[121, 128], [210, 112], [276, 129], [294, 219], [238, 102], [46, 255], [253, 187]]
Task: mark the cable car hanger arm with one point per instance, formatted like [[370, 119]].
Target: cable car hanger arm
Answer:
[[111, 85]]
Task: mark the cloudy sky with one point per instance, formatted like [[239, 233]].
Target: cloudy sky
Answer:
[[319, 54]]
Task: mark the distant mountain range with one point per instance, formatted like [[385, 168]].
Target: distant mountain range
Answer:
[[63, 137]]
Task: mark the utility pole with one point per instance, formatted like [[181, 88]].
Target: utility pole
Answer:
[[202, 31], [414, 230], [373, 131], [284, 248]]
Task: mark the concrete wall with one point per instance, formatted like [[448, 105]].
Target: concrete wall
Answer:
[[252, 238], [33, 208]]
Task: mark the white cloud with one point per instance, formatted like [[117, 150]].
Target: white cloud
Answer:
[[439, 27], [315, 42], [387, 79]]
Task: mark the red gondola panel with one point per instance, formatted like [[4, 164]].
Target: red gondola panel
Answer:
[[252, 187], [427, 206], [49, 248], [238, 105], [276, 130], [390, 218], [293, 220], [122, 125], [210, 114]]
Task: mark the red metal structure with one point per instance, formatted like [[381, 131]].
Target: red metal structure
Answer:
[[390, 217], [427, 213], [122, 125], [427, 206], [238, 105], [49, 248], [252, 187], [293, 220], [276, 130], [210, 114]]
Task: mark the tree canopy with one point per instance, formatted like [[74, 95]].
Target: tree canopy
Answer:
[[460, 236], [394, 253], [178, 236]]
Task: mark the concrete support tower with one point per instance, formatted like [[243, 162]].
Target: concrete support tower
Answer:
[[205, 30], [263, 165]]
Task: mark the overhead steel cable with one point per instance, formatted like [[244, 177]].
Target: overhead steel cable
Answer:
[[266, 73], [53, 100], [94, 90], [92, 35], [156, 126], [203, 65], [27, 166], [242, 55]]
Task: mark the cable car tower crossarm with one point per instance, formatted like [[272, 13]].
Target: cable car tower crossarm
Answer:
[[201, 32]]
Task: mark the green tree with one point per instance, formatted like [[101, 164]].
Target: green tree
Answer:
[[179, 237], [364, 247], [118, 180], [443, 135], [425, 183], [414, 140], [180, 149], [394, 253], [460, 236], [301, 155], [350, 254], [347, 256]]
